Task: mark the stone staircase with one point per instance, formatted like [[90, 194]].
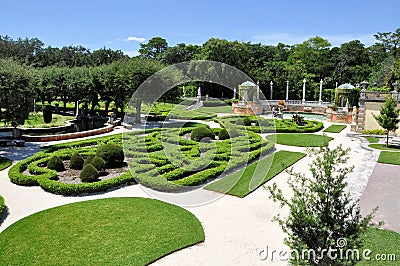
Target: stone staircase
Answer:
[[195, 106]]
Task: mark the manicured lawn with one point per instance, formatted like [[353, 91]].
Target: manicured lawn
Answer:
[[382, 242], [335, 128], [242, 183], [300, 140], [35, 120], [113, 231], [217, 109], [372, 139], [389, 157], [382, 146], [4, 163]]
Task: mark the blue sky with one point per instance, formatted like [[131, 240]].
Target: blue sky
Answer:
[[122, 24]]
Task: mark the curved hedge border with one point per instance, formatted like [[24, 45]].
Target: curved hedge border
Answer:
[[47, 179]]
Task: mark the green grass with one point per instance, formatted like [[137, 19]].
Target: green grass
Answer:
[[388, 157], [335, 128], [381, 242], [35, 120], [113, 231], [256, 174], [382, 146], [372, 139], [217, 109], [4, 163], [300, 140]]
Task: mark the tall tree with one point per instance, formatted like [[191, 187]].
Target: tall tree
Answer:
[[154, 48], [388, 117], [391, 41]]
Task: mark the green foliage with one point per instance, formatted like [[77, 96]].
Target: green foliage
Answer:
[[89, 173], [388, 117], [47, 113], [246, 121], [88, 159], [223, 134], [374, 131], [76, 161], [98, 163], [112, 154], [298, 120], [321, 211], [201, 133], [55, 163], [372, 139], [84, 223]]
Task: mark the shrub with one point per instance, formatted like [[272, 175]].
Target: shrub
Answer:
[[89, 173], [76, 161], [112, 154], [223, 134], [98, 163], [47, 113], [55, 163], [298, 119], [246, 121], [199, 133], [374, 131], [2, 205], [88, 159]]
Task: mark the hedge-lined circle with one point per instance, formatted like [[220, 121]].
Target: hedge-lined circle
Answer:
[[216, 159]]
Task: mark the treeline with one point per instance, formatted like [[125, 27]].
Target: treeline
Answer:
[[28, 69]]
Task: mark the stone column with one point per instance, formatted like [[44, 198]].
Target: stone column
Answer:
[[320, 92], [287, 90], [271, 91], [258, 90], [304, 91]]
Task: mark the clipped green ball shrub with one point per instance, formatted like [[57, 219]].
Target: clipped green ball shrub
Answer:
[[76, 161], [112, 154], [55, 163], [246, 121], [88, 160], [199, 133], [223, 134], [89, 173], [233, 132], [98, 163]]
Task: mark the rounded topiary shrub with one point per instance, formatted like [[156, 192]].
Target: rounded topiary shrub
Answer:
[[89, 173], [112, 154], [76, 161], [99, 163], [47, 113], [233, 132], [246, 121], [200, 133], [223, 134], [55, 163], [88, 160]]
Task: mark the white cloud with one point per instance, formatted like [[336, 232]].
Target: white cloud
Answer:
[[131, 53], [136, 39], [290, 39]]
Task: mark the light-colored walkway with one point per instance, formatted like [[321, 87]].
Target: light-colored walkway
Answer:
[[236, 229]]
